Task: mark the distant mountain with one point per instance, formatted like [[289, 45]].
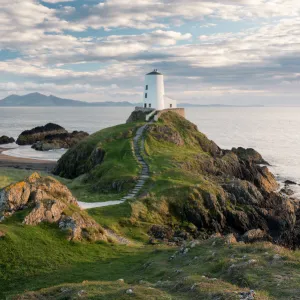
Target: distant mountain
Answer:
[[37, 99]]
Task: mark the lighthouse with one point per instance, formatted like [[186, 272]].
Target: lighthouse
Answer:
[[154, 92]]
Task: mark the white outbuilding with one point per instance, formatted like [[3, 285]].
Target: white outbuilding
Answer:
[[154, 92]]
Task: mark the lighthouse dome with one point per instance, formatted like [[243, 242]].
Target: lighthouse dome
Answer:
[[154, 72]]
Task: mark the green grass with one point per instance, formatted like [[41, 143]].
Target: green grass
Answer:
[[96, 268], [114, 177], [39, 257]]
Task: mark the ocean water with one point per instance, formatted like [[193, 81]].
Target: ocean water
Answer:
[[272, 131]]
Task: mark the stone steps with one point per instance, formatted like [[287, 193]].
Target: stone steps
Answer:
[[145, 173]]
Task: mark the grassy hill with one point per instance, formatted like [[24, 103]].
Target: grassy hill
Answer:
[[195, 190]]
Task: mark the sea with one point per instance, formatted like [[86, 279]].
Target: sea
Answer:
[[272, 131]]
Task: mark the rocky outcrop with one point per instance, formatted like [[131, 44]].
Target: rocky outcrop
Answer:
[[139, 115], [29, 137], [50, 137], [236, 192], [249, 155], [79, 161], [59, 141], [166, 134], [52, 202], [6, 140]]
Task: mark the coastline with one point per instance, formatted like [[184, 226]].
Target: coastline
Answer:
[[25, 163]]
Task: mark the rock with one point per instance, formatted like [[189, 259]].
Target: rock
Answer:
[[6, 140], [247, 295], [277, 257], [29, 137], [250, 155], [290, 182], [161, 232], [51, 202], [166, 134], [139, 115], [251, 262], [287, 191], [129, 291], [2, 234], [82, 293], [230, 239], [59, 141], [255, 235], [121, 280]]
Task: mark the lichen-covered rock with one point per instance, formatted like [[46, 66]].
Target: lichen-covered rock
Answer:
[[51, 202], [6, 140], [81, 227]]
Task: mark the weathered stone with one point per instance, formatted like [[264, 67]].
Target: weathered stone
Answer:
[[230, 239], [255, 235], [51, 202], [250, 155]]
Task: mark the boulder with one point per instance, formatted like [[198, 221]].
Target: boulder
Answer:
[[287, 191], [59, 141], [29, 137], [250, 155], [230, 239], [255, 235], [51, 202], [290, 182], [6, 140]]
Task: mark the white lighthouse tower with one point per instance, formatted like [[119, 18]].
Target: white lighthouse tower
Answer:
[[154, 91]]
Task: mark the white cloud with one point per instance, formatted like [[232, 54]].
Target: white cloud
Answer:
[[258, 61], [56, 1]]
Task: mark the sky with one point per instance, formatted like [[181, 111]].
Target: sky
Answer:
[[238, 52]]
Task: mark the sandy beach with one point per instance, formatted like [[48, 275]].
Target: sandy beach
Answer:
[[25, 163]]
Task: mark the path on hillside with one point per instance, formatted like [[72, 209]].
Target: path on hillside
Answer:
[[138, 148]]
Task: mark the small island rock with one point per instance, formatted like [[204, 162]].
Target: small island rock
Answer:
[[29, 137], [50, 137], [6, 140], [59, 141]]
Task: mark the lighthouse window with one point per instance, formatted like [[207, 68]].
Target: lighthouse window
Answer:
[[146, 95], [145, 105], [146, 87], [170, 105], [149, 105]]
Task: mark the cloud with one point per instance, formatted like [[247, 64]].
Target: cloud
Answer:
[[57, 1], [56, 48], [144, 14]]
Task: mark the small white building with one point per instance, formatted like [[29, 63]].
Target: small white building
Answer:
[[154, 92]]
